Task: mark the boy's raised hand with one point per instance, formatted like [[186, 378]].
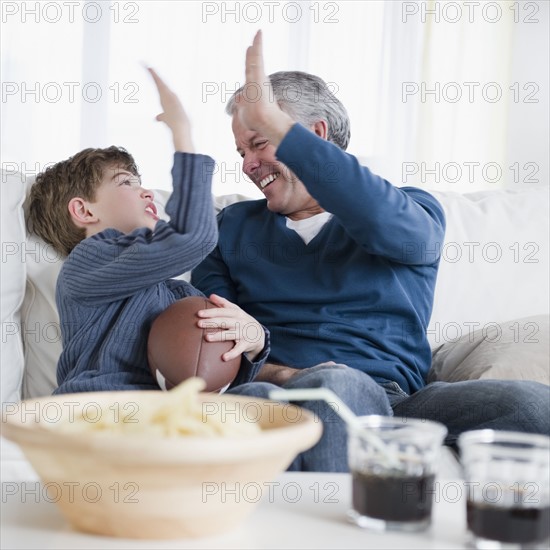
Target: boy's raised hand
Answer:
[[173, 115], [257, 108], [229, 322]]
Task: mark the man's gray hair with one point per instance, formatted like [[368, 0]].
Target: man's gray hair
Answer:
[[307, 99]]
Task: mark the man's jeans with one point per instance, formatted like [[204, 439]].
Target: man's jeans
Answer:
[[496, 404]]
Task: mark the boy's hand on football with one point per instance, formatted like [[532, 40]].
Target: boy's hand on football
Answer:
[[229, 322], [173, 115]]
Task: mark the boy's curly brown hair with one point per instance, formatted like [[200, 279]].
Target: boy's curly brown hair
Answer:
[[47, 208]]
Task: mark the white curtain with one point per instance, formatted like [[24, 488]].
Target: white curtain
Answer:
[[447, 95], [74, 83]]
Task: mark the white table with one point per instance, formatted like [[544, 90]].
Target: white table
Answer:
[[300, 510]]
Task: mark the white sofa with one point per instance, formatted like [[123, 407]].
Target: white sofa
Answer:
[[490, 316], [493, 277]]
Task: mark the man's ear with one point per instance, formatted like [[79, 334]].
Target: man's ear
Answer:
[[320, 128], [80, 213]]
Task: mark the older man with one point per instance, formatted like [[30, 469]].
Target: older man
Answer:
[[341, 266]]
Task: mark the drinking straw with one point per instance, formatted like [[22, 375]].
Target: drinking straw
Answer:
[[345, 413]]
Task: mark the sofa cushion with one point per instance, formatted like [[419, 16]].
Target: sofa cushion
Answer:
[[494, 264], [515, 350], [42, 334], [14, 253]]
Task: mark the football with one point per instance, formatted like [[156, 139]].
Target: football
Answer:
[[177, 349]]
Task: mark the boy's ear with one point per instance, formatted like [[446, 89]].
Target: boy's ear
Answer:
[[80, 213]]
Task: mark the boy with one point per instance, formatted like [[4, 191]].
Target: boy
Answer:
[[121, 258]]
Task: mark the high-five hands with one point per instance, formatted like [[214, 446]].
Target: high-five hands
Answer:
[[257, 108], [173, 115]]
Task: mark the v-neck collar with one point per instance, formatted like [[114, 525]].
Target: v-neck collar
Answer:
[[293, 236]]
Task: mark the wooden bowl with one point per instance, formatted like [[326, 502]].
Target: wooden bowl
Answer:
[[138, 486]]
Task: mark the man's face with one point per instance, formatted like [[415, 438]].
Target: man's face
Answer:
[[284, 192], [121, 203]]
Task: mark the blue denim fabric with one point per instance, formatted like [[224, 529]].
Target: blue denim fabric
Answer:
[[497, 404]]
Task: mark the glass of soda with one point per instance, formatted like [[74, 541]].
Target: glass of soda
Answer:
[[507, 476], [393, 464]]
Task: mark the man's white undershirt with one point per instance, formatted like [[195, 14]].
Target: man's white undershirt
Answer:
[[308, 228]]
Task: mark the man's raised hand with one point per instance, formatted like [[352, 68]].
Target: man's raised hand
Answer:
[[257, 108]]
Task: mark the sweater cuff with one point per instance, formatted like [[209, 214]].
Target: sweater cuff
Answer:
[[250, 369], [294, 140]]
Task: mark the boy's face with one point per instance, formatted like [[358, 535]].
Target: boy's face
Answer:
[[121, 203]]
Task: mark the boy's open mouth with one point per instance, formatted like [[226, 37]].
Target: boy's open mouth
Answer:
[[152, 209]]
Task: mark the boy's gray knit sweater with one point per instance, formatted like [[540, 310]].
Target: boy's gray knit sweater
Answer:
[[113, 285]]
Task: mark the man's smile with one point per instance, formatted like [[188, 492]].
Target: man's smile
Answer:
[[263, 183]]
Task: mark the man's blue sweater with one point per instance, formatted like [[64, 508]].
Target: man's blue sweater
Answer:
[[361, 292], [113, 285]]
